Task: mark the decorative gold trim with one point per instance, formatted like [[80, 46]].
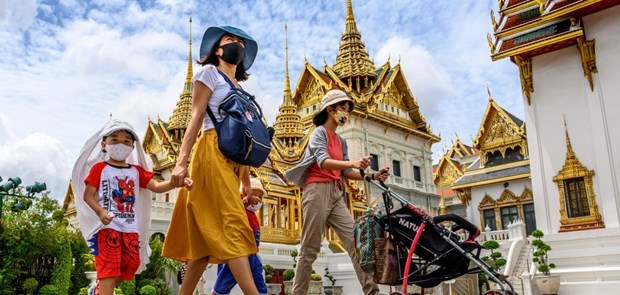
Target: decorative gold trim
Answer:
[[567, 10], [491, 43], [499, 132], [573, 169], [493, 21], [516, 8], [541, 5], [538, 44], [525, 74], [544, 18], [447, 172], [527, 196], [507, 199], [464, 195], [487, 202], [588, 58]]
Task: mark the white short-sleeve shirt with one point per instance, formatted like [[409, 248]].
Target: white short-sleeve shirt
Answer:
[[209, 75]]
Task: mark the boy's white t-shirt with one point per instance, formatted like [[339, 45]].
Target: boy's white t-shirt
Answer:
[[117, 190], [209, 75]]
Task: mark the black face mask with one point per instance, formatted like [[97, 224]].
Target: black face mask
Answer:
[[233, 53]]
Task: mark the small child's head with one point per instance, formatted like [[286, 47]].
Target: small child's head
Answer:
[[118, 144], [257, 190]]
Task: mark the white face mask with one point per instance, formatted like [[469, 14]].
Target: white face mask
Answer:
[[254, 208], [118, 152]]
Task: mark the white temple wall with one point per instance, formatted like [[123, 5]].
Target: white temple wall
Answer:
[[391, 145], [605, 28], [562, 91]]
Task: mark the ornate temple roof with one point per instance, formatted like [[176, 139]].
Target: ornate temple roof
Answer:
[[528, 28], [499, 132], [353, 60], [498, 124], [68, 205]]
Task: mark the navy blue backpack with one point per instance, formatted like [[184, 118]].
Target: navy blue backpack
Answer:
[[242, 135]]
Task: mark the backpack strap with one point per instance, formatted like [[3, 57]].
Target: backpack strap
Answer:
[[232, 86]]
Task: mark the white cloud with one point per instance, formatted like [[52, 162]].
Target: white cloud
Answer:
[[428, 81], [35, 157], [17, 14]]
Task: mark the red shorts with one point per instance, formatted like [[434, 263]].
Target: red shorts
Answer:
[[118, 254]]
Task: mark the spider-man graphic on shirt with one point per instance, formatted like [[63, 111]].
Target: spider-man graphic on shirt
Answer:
[[125, 194]]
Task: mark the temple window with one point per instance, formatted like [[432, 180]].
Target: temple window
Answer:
[[417, 175], [576, 197], [530, 218], [509, 214], [489, 219], [396, 168]]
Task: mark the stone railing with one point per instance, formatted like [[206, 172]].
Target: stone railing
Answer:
[[515, 229]]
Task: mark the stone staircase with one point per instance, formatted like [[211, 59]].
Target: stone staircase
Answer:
[[522, 266]]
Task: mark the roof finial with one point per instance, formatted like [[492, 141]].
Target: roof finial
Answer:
[[288, 100], [489, 92], [350, 16], [110, 116], [190, 70]]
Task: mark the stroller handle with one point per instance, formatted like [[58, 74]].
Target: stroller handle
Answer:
[[364, 177]]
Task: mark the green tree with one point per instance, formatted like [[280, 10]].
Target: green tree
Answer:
[[32, 243], [494, 260], [541, 253], [78, 250], [61, 276]]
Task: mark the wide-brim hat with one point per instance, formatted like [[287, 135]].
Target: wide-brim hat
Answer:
[[256, 184], [214, 34], [332, 97]]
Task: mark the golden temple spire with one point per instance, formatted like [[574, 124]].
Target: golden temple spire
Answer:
[[182, 112], [288, 126], [190, 70], [353, 63], [288, 98]]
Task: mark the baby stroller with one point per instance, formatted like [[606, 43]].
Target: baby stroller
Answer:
[[440, 253]]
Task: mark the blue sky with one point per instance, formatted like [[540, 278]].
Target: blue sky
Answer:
[[65, 65]]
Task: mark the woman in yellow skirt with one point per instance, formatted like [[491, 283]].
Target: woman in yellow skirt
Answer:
[[209, 224]]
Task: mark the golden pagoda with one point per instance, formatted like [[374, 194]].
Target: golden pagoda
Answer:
[[353, 65]]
